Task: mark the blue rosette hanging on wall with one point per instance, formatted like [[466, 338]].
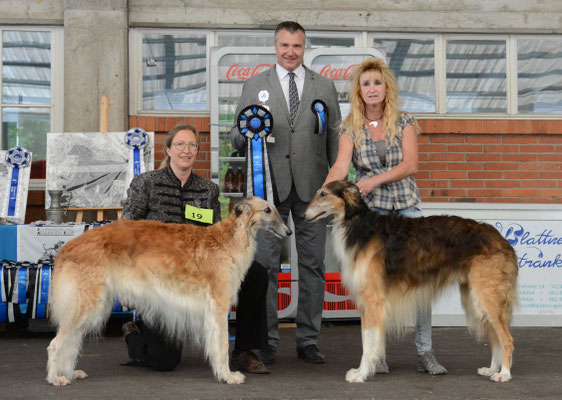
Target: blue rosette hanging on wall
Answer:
[[17, 158], [136, 139], [255, 122]]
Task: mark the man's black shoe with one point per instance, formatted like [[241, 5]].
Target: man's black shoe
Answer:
[[267, 355], [311, 354]]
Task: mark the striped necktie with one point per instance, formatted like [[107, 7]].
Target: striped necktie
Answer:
[[293, 98]]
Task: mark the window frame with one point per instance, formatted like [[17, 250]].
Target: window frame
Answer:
[[56, 105], [361, 39], [135, 61]]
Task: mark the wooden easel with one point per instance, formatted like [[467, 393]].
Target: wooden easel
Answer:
[[100, 211]]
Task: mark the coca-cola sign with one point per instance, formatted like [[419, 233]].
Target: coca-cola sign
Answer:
[[237, 73], [338, 73], [240, 73]]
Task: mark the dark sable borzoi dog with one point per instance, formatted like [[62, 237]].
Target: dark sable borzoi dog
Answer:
[[183, 278], [393, 265]]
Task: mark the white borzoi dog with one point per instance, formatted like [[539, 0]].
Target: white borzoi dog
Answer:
[[183, 278]]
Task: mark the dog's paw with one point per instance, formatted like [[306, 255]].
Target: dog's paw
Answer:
[[235, 378], [59, 381], [79, 374], [354, 376], [501, 376], [484, 371]]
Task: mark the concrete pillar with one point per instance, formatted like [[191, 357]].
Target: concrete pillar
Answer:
[[95, 63]]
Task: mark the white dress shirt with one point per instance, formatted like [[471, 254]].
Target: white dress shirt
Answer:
[[283, 75]]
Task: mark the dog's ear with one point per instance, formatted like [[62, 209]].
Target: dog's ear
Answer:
[[241, 208], [353, 200]]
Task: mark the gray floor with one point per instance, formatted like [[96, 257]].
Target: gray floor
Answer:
[[536, 371]]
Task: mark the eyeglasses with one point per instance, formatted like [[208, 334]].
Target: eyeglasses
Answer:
[[181, 146]]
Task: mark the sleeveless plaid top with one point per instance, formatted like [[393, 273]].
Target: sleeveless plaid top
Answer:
[[393, 195]]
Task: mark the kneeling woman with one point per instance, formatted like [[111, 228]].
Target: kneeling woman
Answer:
[[162, 195]]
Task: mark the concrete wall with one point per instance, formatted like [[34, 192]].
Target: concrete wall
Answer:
[[539, 16], [96, 63]]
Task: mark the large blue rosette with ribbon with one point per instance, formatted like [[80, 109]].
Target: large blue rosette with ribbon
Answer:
[[17, 159], [256, 123], [320, 109], [136, 139]]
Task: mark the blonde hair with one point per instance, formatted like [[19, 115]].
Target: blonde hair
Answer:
[[353, 124], [170, 138]]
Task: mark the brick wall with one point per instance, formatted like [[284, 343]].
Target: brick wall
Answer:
[[492, 161], [488, 161]]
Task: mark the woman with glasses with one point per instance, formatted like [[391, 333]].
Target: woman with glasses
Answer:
[[165, 195]]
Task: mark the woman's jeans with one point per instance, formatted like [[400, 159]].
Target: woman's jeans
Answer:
[[423, 318]]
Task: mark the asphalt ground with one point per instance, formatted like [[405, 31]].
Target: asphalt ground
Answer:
[[537, 369]]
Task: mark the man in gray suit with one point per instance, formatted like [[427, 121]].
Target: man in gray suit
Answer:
[[303, 150]]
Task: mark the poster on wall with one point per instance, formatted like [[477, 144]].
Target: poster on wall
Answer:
[[15, 170], [538, 245], [94, 169]]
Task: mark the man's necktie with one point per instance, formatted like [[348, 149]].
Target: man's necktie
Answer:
[[293, 97]]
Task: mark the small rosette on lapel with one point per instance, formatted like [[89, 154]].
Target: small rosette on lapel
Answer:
[[320, 109]]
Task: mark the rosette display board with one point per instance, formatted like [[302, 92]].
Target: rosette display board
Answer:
[[15, 169], [95, 169], [256, 123]]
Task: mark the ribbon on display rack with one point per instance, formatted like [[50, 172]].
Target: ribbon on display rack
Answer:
[[16, 158], [320, 109], [32, 286], [23, 279], [9, 277], [43, 297], [136, 139], [255, 123], [3, 293], [24, 289]]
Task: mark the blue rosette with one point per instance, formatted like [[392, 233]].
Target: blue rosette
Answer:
[[16, 158], [255, 123], [136, 139], [320, 109]]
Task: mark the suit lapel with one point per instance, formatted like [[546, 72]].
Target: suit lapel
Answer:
[[307, 93], [278, 91]]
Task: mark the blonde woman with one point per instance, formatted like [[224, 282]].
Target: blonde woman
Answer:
[[381, 141]]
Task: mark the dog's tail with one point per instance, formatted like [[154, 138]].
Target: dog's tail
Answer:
[[74, 304]]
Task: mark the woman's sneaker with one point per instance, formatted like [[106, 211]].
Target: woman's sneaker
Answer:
[[428, 363]]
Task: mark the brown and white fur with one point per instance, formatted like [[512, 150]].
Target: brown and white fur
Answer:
[[394, 265], [183, 278]]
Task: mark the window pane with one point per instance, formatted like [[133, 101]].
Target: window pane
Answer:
[[315, 42], [26, 67], [539, 75], [174, 72], [228, 39], [27, 127], [476, 76], [412, 61]]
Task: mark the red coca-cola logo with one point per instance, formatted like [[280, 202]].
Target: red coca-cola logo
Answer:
[[337, 74], [238, 73]]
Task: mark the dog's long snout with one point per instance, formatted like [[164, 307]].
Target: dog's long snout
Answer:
[[281, 229], [313, 211]]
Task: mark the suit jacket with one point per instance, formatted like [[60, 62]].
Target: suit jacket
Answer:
[[298, 155]]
